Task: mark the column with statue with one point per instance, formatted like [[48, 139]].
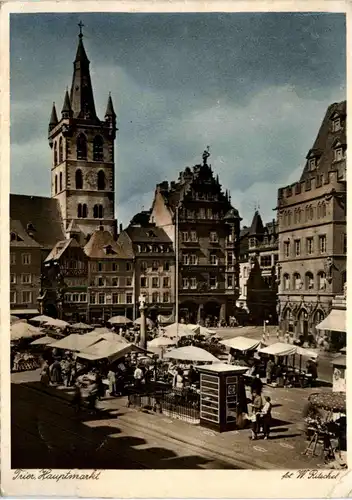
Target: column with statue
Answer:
[[142, 308]]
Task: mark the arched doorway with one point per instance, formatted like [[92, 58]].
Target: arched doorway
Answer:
[[188, 312], [288, 321], [303, 324], [318, 318], [211, 313]]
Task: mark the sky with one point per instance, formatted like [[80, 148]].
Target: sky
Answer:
[[254, 87]]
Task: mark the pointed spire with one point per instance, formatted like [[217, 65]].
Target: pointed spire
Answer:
[[257, 227], [53, 118], [66, 111], [81, 97], [110, 113]]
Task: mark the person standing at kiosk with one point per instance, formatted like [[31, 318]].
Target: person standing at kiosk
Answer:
[[257, 406]]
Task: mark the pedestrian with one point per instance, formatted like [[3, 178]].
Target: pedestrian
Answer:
[[45, 373], [69, 372], [93, 396], [138, 377], [257, 405], [178, 381], [192, 376], [269, 370], [100, 384], [266, 417], [256, 385], [56, 372], [112, 382]]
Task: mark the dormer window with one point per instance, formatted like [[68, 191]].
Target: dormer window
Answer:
[[336, 124], [312, 163], [338, 154], [109, 250]]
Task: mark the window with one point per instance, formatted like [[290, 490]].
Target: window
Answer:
[[115, 298], [101, 180], [128, 281], [214, 237], [98, 151], [155, 297], [309, 281], [166, 282], [193, 259], [84, 211], [252, 242], [213, 282], [312, 163], [26, 259], [55, 153], [75, 297], [194, 236], [321, 280], [26, 279], [81, 145], [336, 125], [229, 258], [101, 298], [209, 213], [115, 267], [83, 297], [193, 283], [185, 259], [128, 266], [26, 297], [155, 282], [13, 279], [101, 281], [297, 248], [202, 213], [185, 283], [185, 236], [144, 282], [166, 297], [100, 266], [128, 298], [60, 181], [115, 281], [310, 246], [61, 151], [344, 243], [287, 248], [265, 261], [144, 265], [79, 179], [297, 282], [338, 154], [55, 184], [92, 298], [155, 265], [98, 211], [12, 258], [79, 210], [229, 281], [166, 266], [286, 281], [322, 243], [213, 259]]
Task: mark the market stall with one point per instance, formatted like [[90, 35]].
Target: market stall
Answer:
[[74, 342], [242, 344], [192, 354], [120, 320]]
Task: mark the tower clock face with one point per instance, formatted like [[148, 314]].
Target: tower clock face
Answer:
[[91, 180]]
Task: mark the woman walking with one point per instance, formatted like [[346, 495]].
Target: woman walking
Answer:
[[266, 417], [45, 374]]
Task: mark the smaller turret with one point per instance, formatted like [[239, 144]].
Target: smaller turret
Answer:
[[110, 114], [53, 119], [66, 111]]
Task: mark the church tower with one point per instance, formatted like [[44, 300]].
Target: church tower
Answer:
[[83, 169]]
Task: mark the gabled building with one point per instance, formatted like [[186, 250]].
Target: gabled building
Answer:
[[110, 278], [312, 231], [258, 277], [154, 266], [199, 215]]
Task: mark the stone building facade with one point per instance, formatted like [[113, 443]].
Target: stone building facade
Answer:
[[312, 231], [154, 267], [83, 168], [195, 211]]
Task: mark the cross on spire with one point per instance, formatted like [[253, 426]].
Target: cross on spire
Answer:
[[80, 25]]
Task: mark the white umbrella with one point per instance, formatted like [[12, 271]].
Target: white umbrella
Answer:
[[16, 319], [161, 342], [181, 330], [57, 323], [81, 326], [148, 322], [24, 331], [241, 343], [201, 329], [41, 319], [43, 341], [191, 353], [119, 320]]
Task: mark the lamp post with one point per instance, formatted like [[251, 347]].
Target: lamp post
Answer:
[[143, 339]]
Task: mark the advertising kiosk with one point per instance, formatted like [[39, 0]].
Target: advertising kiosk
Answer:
[[222, 396]]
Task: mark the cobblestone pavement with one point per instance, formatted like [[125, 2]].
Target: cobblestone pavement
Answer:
[[59, 426]]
